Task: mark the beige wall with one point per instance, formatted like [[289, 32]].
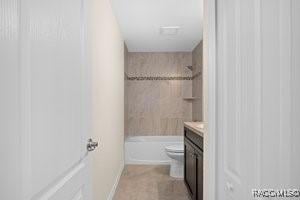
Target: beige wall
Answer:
[[197, 81], [125, 91], [106, 56], [156, 107]]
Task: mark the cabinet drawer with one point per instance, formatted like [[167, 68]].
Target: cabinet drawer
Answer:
[[194, 138]]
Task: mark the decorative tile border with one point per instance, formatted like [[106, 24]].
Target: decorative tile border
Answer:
[[161, 78], [197, 74]]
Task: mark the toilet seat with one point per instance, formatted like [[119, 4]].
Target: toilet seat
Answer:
[[175, 148]]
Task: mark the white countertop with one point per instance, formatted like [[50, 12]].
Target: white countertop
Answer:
[[197, 127]]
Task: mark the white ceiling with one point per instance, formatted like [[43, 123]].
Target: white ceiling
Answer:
[[140, 22]]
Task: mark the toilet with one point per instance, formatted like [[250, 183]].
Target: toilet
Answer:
[[176, 153]]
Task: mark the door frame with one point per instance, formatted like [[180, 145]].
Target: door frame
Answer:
[[210, 98]]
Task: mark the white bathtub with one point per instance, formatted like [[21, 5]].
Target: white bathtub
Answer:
[[149, 150]]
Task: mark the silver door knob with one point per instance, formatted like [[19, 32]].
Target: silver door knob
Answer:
[[91, 146]]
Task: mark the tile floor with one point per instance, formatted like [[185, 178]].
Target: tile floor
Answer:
[[149, 182]]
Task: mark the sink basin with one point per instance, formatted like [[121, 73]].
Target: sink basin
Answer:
[[201, 126]]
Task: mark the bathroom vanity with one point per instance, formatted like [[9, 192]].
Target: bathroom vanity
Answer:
[[193, 159]]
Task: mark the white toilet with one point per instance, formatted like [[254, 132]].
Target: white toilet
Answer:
[[176, 153]]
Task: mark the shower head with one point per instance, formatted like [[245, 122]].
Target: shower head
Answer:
[[190, 67]]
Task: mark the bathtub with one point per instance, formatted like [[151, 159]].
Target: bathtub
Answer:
[[149, 150]]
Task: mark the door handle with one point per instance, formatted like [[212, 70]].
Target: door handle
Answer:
[[91, 146]]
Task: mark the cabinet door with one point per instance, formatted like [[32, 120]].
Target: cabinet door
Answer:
[[190, 170], [199, 160]]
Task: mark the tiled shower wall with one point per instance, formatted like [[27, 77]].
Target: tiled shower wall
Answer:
[[197, 81], [156, 86]]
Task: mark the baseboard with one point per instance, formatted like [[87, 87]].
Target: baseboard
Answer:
[[114, 188], [147, 162]]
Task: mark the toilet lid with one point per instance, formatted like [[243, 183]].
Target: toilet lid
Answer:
[[175, 148]]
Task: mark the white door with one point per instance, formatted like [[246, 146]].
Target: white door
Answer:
[[258, 96], [44, 101]]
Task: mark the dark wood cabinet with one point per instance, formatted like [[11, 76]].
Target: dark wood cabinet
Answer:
[[190, 172], [199, 158], [193, 164]]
